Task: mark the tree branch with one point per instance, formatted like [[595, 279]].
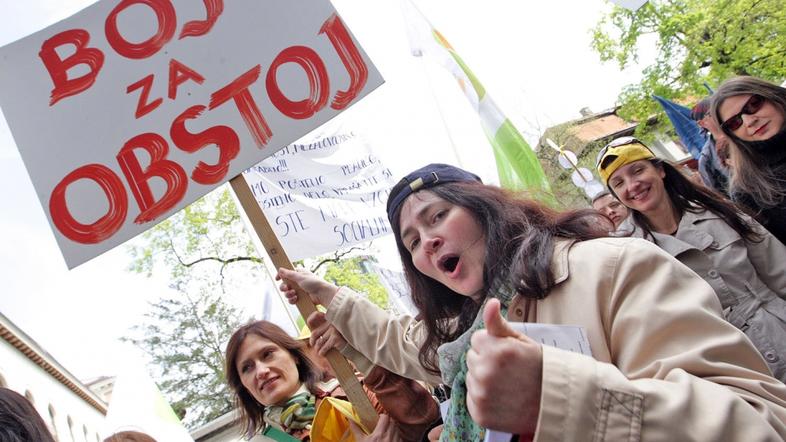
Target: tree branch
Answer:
[[337, 256], [223, 261]]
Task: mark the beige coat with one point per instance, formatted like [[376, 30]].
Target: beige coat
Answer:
[[748, 277], [665, 364]]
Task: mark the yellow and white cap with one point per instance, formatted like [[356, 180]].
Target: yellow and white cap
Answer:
[[618, 153]]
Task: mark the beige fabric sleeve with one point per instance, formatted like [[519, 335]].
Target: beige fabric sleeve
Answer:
[[392, 342], [678, 371]]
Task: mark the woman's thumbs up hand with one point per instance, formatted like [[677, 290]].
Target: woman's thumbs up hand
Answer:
[[505, 369]]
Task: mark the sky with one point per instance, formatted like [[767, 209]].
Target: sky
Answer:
[[534, 58]]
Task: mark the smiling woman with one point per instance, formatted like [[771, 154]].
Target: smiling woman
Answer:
[[270, 372], [734, 254], [280, 378], [752, 113], [282, 394]]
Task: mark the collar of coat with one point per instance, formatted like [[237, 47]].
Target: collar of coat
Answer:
[[559, 260], [688, 236]]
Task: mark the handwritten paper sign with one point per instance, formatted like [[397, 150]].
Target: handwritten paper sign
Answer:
[[324, 192], [130, 110]]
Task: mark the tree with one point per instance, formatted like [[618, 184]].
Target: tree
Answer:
[[208, 233], [351, 273], [185, 337], [697, 41], [565, 191]]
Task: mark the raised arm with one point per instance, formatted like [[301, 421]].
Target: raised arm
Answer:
[[392, 342]]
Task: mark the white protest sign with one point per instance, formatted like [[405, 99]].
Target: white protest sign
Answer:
[[130, 110], [324, 192]]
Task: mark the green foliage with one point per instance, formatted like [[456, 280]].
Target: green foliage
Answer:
[[697, 41], [567, 194], [350, 273], [208, 232]]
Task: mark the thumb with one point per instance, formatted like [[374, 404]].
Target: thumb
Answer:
[[496, 325], [288, 274], [315, 320]]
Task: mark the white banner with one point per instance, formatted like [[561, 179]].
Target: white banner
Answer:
[[131, 109], [325, 192]]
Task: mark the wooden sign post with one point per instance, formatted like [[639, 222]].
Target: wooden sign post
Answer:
[[344, 372]]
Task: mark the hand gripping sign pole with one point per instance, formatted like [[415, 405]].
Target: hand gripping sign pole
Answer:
[[344, 372]]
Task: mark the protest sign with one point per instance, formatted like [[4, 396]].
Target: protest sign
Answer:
[[325, 192], [129, 110]]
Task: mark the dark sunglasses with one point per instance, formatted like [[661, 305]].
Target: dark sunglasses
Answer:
[[754, 103]]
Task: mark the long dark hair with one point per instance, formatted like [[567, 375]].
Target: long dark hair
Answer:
[[687, 196], [251, 411], [19, 421], [519, 236], [753, 174]]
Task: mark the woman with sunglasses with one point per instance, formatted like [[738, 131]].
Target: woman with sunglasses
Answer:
[[663, 360], [752, 113], [740, 259]]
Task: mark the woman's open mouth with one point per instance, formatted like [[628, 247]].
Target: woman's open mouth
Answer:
[[448, 263]]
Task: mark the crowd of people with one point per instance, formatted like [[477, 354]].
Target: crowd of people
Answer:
[[679, 288]]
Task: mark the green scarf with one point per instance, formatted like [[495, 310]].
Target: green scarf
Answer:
[[458, 424], [296, 413]]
